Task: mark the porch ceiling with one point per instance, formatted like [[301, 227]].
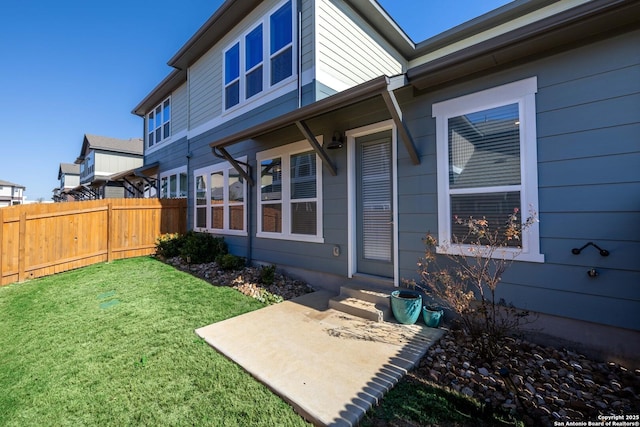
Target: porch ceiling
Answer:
[[380, 86]]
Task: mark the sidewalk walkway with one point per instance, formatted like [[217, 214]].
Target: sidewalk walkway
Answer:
[[330, 366]]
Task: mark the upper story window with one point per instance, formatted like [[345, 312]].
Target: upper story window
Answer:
[[173, 184], [487, 163], [87, 167], [159, 123], [220, 194], [289, 195], [246, 73]]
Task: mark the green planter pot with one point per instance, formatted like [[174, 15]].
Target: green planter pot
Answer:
[[405, 306], [432, 316]]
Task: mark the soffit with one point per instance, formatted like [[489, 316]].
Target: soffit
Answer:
[[160, 92], [558, 32]]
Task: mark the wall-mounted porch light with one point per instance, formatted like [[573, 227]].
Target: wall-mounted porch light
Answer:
[[336, 142]]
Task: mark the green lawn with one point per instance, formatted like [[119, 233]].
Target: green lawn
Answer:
[[114, 344]]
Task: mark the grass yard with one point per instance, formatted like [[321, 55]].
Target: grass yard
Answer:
[[114, 344]]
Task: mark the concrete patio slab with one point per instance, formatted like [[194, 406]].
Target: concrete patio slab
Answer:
[[330, 366]]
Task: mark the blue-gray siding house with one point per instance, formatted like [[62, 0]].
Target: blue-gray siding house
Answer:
[[534, 106]]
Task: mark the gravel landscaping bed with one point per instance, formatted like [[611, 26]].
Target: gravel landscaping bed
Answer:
[[540, 385], [248, 281]]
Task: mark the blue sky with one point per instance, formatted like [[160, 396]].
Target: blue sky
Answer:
[[70, 67]]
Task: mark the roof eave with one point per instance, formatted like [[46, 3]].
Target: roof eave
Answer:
[[347, 97], [160, 92], [489, 20], [379, 19], [225, 18], [592, 19]]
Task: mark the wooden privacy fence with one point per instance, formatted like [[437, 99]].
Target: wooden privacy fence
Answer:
[[42, 239]]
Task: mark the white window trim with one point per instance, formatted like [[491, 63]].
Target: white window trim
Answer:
[[523, 93], [285, 153], [207, 171], [146, 130], [168, 174], [267, 88]]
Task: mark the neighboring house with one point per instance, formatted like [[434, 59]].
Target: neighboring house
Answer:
[[69, 177], [534, 106], [101, 158], [11, 194]]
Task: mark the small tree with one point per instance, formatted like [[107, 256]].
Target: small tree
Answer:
[[471, 270]]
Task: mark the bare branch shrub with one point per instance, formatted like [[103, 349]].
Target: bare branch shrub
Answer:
[[465, 277]]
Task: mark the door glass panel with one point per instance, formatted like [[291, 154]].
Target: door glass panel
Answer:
[[376, 203]]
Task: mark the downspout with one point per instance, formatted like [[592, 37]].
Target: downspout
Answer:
[[249, 222], [190, 200], [299, 53]]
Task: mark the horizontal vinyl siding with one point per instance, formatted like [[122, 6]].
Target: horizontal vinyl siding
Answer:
[[113, 192], [110, 163], [206, 74], [588, 122], [307, 56], [283, 253], [170, 157], [348, 50], [589, 182], [205, 86], [179, 109]]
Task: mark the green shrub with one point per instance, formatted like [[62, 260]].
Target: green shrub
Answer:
[[269, 298], [199, 248], [231, 262], [267, 274], [169, 245]]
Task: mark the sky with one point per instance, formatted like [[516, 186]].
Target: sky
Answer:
[[75, 67]]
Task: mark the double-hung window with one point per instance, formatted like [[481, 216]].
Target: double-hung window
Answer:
[[220, 193], [487, 164], [253, 62], [289, 194], [281, 46], [246, 72], [159, 123], [173, 184]]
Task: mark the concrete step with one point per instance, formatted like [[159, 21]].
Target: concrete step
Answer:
[[377, 296], [367, 303], [357, 307]]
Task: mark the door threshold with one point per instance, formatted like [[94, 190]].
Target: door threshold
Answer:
[[373, 280]]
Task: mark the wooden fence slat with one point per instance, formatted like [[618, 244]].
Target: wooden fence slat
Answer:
[[110, 235], [2, 259], [37, 240], [22, 237]]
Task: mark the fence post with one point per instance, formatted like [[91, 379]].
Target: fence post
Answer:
[[109, 232], [22, 237]]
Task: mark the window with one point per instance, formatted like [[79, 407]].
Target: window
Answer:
[[173, 184], [246, 74], [220, 193], [159, 123], [232, 76], [253, 62], [289, 202], [487, 161], [281, 48]]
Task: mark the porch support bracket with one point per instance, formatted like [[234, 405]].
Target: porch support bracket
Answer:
[[306, 132], [396, 114], [133, 193], [236, 165]]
